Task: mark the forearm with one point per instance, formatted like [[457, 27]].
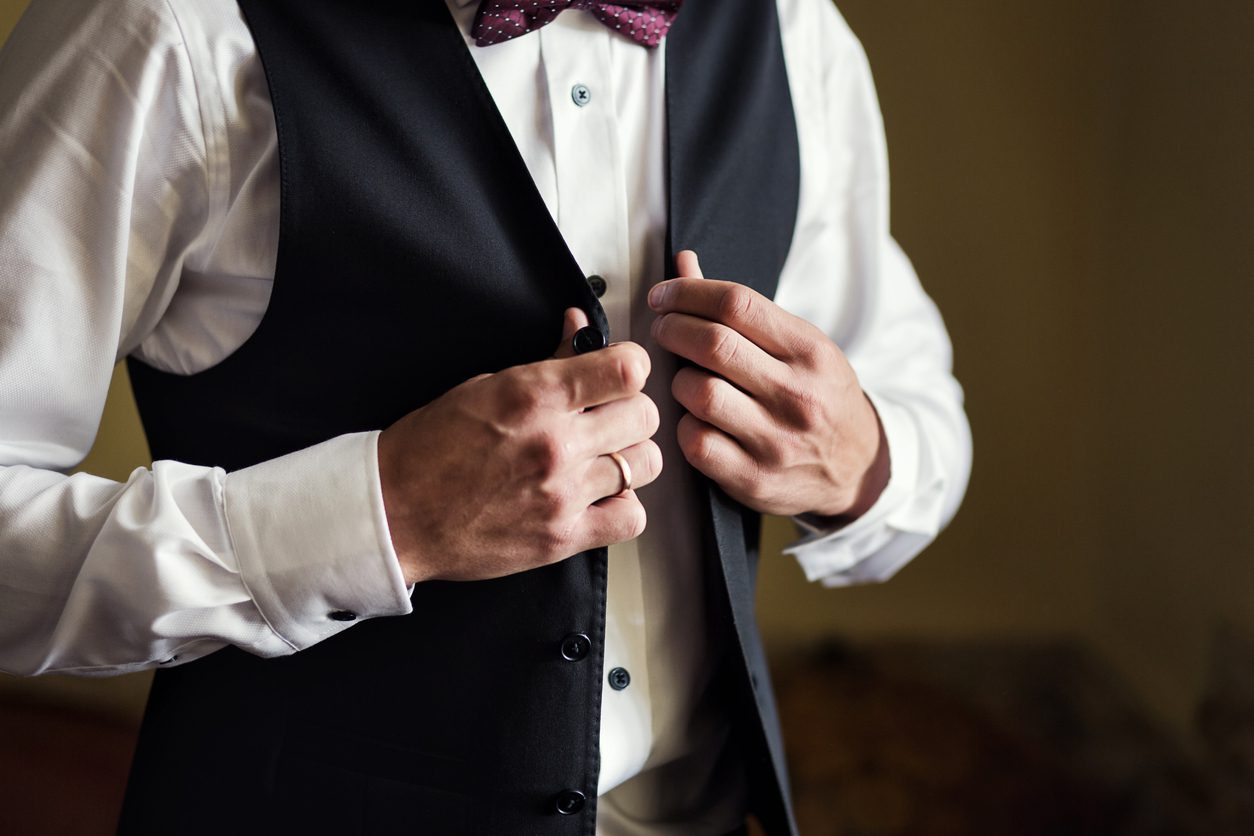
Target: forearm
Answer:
[[98, 576]]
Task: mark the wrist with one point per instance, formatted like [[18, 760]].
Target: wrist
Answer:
[[868, 488], [401, 531]]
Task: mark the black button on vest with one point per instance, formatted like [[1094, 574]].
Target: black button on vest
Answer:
[[576, 647], [588, 339], [410, 229], [570, 802]]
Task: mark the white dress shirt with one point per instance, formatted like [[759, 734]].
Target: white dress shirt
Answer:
[[139, 216]]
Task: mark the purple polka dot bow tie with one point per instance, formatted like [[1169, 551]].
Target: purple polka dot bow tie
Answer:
[[644, 21]]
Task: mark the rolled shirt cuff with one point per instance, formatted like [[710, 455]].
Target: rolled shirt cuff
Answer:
[[312, 539]]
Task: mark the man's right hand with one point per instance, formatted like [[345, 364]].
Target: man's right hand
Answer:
[[511, 471]]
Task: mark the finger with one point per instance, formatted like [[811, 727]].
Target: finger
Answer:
[[604, 478], [616, 425], [716, 402], [716, 454], [614, 519], [597, 377], [720, 349], [740, 308], [572, 320], [686, 264]]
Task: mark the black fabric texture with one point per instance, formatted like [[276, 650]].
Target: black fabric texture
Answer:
[[734, 175], [415, 253]]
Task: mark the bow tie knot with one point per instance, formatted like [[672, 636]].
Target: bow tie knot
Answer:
[[643, 21]]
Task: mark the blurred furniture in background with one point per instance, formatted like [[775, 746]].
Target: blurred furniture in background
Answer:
[[990, 740]]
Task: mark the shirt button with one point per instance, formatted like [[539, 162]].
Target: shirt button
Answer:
[[575, 647], [598, 285], [581, 95], [619, 679], [342, 615], [569, 802]]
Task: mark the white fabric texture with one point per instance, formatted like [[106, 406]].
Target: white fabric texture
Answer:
[[139, 215]]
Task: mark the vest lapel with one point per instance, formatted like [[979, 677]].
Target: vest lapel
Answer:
[[734, 176], [483, 125]]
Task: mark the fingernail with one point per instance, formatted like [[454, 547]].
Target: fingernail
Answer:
[[657, 296]]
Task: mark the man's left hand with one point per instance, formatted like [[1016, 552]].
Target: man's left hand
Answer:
[[776, 415]]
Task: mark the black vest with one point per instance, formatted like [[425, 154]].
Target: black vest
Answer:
[[414, 247]]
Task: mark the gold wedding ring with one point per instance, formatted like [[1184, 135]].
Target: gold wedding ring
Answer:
[[624, 469]]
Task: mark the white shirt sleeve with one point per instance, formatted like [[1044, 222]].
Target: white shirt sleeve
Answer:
[[861, 289], [109, 189]]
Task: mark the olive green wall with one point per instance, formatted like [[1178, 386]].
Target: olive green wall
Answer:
[[1173, 478], [997, 116], [1073, 181]]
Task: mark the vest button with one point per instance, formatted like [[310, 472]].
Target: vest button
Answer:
[[598, 285], [588, 339], [570, 802], [619, 679], [575, 647], [342, 615]]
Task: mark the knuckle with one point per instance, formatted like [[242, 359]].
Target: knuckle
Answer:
[[758, 491], [549, 453], [554, 498], [631, 366], [811, 349], [808, 410], [629, 523], [772, 454], [827, 352], [710, 396], [519, 393], [721, 345], [736, 304], [814, 354], [695, 445], [650, 418], [753, 478], [642, 357]]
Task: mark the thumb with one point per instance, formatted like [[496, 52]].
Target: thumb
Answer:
[[687, 266], [572, 320]]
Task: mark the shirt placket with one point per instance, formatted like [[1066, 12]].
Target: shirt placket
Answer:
[[591, 212]]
